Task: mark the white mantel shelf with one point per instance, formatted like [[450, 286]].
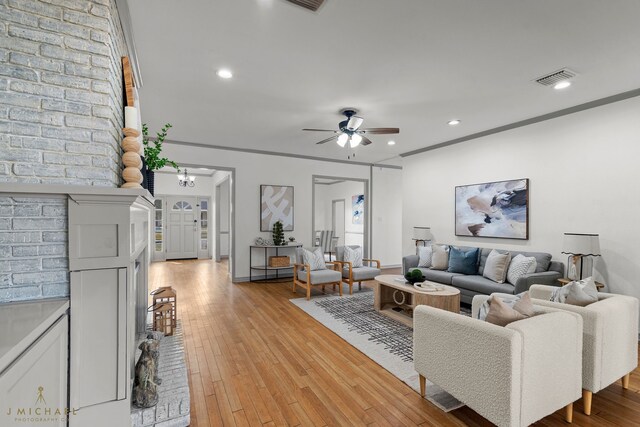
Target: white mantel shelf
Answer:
[[71, 190]]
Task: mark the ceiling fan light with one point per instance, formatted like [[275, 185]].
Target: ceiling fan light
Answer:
[[355, 140], [342, 139]]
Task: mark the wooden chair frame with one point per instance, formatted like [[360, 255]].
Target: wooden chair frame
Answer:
[[349, 280], [307, 285]]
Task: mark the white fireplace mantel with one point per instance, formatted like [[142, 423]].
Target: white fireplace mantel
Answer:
[[108, 234]]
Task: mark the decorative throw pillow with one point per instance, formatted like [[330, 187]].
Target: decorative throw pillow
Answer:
[[496, 266], [440, 258], [502, 314], [463, 261], [508, 300], [425, 253], [525, 305], [354, 256], [519, 266], [315, 259], [581, 292]]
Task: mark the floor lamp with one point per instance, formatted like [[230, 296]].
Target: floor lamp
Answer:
[[580, 245]]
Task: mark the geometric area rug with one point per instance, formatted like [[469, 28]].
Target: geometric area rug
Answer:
[[385, 341]]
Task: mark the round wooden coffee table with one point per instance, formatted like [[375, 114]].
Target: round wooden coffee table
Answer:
[[396, 298]]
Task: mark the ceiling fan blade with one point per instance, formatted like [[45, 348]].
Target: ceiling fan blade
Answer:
[[354, 122], [313, 5], [365, 141], [322, 130], [327, 140], [381, 131]]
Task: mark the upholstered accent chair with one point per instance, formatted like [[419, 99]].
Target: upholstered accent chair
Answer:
[[304, 277], [610, 351], [512, 375], [351, 274]]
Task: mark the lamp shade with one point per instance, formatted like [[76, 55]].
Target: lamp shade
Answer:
[[581, 244], [422, 233]]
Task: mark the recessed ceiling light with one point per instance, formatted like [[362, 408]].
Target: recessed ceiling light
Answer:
[[562, 85], [453, 122], [391, 143], [223, 73]]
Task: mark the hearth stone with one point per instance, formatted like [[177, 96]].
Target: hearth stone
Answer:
[[173, 405]]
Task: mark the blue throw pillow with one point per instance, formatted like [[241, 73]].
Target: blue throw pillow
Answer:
[[463, 262]]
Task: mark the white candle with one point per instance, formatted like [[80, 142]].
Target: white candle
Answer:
[[131, 117]]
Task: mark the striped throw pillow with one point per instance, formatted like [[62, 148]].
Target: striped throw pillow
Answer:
[[354, 256], [315, 259]]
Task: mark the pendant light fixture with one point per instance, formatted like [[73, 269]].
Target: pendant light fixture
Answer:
[[186, 180]]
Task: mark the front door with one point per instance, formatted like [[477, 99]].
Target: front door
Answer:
[[182, 227]]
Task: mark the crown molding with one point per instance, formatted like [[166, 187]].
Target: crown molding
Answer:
[[275, 153], [575, 109]]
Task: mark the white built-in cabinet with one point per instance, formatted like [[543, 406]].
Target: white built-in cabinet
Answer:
[[34, 363], [108, 259]]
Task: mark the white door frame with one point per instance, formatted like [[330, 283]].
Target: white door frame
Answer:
[[333, 219], [232, 219], [225, 181], [367, 207]]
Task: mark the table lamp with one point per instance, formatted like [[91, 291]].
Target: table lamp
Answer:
[[422, 234], [580, 245]]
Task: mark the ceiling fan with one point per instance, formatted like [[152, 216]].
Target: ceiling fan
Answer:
[[349, 131]]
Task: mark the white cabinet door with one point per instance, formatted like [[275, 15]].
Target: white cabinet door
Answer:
[[34, 387], [98, 337]]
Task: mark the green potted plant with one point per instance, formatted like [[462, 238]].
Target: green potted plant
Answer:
[[152, 150], [278, 234]]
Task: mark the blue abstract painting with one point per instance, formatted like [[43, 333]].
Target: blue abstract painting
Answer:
[[357, 205], [493, 209]]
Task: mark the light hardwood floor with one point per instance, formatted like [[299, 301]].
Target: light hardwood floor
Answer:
[[256, 359]]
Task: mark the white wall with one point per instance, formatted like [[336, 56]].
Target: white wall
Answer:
[[386, 211], [325, 195], [252, 170], [584, 174]]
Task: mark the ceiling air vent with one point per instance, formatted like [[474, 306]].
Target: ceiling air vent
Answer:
[[309, 4], [556, 76]]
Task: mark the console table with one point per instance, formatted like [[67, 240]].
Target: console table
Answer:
[[264, 268]]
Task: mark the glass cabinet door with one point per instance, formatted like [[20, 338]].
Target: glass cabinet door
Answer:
[[204, 224], [158, 226]]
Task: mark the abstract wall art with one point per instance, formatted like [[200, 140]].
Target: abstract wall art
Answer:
[[493, 209], [276, 204], [357, 205]]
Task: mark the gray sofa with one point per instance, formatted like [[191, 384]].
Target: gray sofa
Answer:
[[547, 273]]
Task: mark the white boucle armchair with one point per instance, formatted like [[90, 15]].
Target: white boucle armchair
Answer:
[[513, 375], [610, 340]]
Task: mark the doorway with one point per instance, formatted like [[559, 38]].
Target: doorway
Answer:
[[341, 206], [182, 227]]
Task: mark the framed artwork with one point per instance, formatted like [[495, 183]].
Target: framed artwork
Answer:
[[357, 207], [276, 204], [493, 209]]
